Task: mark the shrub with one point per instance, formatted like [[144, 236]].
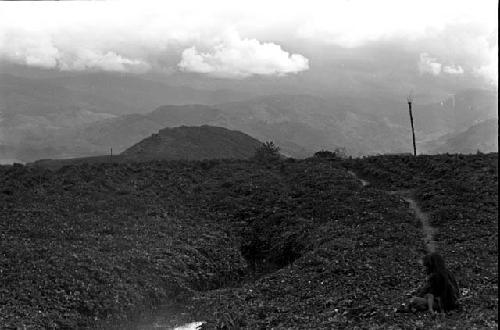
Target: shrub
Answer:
[[338, 153], [267, 151]]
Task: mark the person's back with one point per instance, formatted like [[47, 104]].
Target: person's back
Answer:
[[444, 287], [441, 290]]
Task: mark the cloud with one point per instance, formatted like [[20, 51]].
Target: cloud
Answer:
[[143, 37], [48, 50], [453, 69], [95, 60], [489, 68], [162, 35], [473, 48], [239, 58], [429, 65], [490, 72]]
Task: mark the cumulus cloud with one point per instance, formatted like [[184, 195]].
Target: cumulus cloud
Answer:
[[428, 64], [48, 49], [242, 57], [453, 69], [43, 53], [141, 38], [190, 34]]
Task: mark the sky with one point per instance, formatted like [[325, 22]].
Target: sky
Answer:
[[241, 39]]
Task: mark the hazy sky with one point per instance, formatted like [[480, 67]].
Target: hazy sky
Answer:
[[239, 39]]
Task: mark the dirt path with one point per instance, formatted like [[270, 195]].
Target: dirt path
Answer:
[[428, 230], [423, 217]]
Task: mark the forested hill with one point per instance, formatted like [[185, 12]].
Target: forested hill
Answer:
[[195, 142]]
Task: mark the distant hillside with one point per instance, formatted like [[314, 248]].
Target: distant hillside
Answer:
[[482, 136], [303, 124], [299, 124], [39, 97], [204, 142], [178, 143], [122, 132], [457, 112], [86, 115], [143, 94], [44, 117]]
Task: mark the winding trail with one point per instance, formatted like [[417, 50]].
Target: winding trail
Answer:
[[409, 197], [429, 231]]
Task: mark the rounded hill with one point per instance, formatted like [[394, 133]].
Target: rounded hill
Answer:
[[194, 142]]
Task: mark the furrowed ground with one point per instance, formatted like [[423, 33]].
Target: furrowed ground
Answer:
[[285, 244]]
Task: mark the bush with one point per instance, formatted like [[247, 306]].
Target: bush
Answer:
[[267, 151], [338, 153]]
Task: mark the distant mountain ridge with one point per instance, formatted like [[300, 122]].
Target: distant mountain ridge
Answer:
[[457, 112], [87, 114], [299, 124], [482, 136]]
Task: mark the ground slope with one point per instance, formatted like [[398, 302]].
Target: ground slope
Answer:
[[460, 193], [283, 244]]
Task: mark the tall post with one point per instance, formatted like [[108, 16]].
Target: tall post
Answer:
[[410, 100]]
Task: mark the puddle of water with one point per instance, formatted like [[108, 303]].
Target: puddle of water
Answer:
[[189, 326], [364, 183]]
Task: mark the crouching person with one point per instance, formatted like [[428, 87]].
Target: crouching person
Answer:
[[440, 292]]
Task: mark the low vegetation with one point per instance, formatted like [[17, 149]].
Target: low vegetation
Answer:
[[460, 192], [283, 244]]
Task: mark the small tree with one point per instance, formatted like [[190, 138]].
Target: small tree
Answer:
[[267, 151]]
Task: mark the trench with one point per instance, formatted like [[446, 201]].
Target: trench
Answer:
[[262, 261], [264, 255]]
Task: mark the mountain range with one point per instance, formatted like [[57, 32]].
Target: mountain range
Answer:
[[87, 114], [482, 136]]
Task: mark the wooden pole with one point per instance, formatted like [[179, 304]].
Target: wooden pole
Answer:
[[412, 129]]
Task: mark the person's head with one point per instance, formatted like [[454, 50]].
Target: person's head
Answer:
[[434, 263]]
